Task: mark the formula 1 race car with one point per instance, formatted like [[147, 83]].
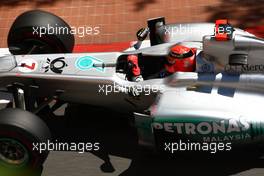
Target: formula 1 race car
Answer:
[[220, 100]]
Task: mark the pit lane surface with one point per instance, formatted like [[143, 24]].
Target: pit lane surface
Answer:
[[119, 154]]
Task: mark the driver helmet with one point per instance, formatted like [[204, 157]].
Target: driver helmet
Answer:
[[179, 52]]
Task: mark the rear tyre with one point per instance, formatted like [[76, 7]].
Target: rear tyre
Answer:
[[24, 36], [20, 131]]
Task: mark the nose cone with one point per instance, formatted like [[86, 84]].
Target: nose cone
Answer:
[[7, 63]]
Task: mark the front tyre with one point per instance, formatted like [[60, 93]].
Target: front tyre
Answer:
[[19, 132]]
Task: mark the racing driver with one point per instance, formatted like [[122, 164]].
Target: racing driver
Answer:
[[179, 59]]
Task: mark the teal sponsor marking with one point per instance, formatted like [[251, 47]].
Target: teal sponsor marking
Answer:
[[87, 62]]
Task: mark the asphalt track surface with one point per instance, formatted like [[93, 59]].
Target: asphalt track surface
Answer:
[[120, 155]]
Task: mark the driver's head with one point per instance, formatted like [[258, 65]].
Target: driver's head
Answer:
[[178, 52]]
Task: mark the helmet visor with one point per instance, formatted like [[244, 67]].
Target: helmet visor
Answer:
[[181, 56]]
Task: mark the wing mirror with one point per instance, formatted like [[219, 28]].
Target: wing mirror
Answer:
[[142, 34]]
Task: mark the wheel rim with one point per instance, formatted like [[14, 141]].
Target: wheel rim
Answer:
[[13, 152]]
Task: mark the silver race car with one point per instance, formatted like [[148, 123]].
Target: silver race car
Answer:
[[220, 101]]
